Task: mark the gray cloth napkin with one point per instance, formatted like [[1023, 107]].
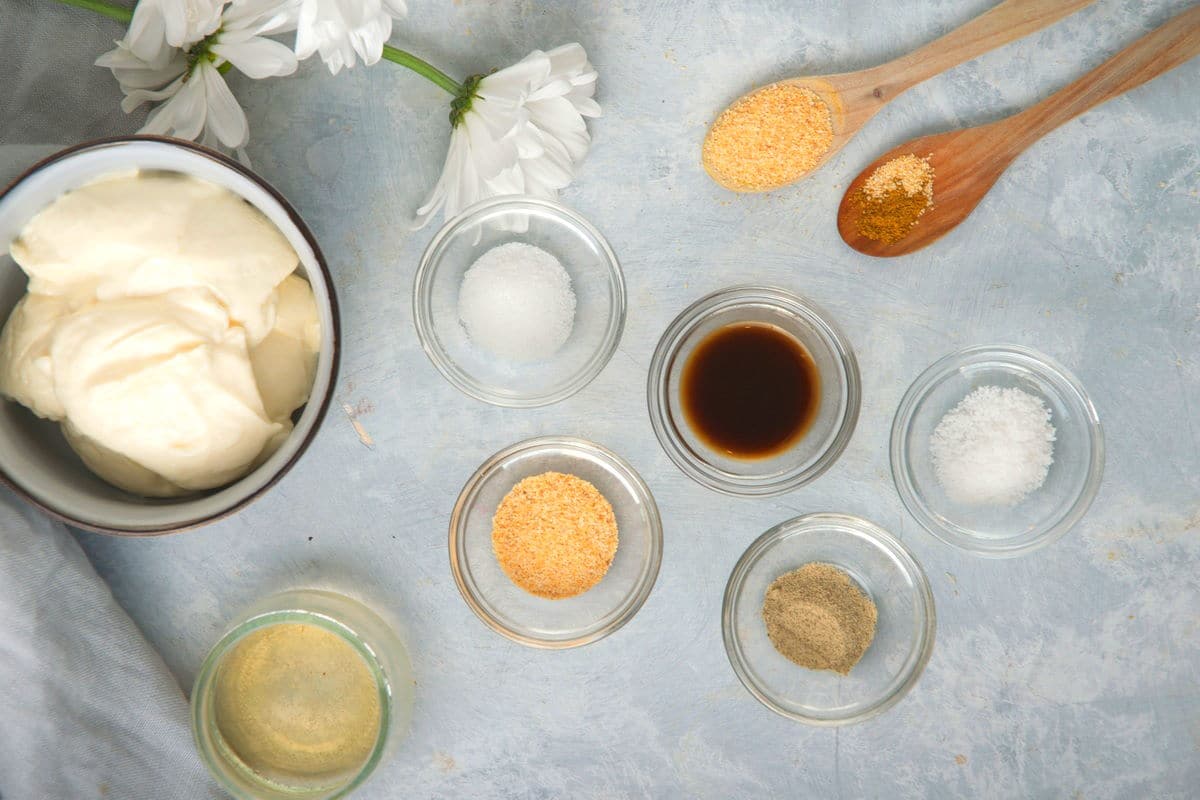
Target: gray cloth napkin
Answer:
[[88, 709]]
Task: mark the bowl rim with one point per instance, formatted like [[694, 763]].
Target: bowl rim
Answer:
[[878, 536], [335, 334], [634, 600], [1063, 380], [422, 297], [667, 349]]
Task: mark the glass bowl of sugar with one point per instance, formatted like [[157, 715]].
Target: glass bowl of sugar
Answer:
[[519, 302], [997, 450]]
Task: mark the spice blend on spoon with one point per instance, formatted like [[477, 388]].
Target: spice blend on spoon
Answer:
[[768, 139], [894, 197], [818, 618]]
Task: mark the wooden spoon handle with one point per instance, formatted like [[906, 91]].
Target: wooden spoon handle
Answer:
[[1161, 50], [1004, 23]]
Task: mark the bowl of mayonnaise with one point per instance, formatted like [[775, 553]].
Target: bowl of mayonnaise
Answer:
[[170, 337]]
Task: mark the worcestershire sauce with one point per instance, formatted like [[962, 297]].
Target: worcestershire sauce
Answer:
[[750, 390]]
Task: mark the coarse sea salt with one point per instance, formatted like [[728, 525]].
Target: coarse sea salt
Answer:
[[516, 302], [994, 448]]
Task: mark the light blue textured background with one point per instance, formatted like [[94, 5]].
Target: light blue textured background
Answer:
[[1070, 673]]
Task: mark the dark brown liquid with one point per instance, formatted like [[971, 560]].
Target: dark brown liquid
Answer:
[[750, 390]]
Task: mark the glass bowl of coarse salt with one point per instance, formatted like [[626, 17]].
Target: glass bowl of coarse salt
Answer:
[[520, 542], [828, 619], [519, 302], [997, 450]]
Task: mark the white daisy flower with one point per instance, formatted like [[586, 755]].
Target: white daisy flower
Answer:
[[159, 25], [520, 130], [343, 31], [196, 103]]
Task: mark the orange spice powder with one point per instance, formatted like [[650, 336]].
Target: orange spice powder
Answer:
[[768, 138], [554, 535], [893, 198]]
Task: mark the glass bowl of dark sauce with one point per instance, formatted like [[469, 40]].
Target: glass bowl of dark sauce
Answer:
[[754, 390]]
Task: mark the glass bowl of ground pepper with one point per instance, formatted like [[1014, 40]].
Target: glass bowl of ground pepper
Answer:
[[754, 391], [997, 449], [828, 619], [555, 542]]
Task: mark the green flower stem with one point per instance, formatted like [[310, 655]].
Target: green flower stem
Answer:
[[110, 10], [417, 65]]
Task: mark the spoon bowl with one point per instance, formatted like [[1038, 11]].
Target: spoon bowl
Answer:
[[965, 166]]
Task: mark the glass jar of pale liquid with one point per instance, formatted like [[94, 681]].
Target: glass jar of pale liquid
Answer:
[[302, 698]]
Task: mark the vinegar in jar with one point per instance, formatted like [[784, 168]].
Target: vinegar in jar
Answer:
[[298, 705]]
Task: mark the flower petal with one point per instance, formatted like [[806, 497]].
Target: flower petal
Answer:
[[258, 57], [508, 181], [199, 19], [451, 169], [488, 154], [344, 31], [512, 83], [138, 96], [133, 73], [260, 17], [147, 34], [553, 172], [184, 114], [369, 37], [568, 59], [225, 116]]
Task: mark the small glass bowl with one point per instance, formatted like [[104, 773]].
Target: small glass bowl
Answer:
[[1044, 516], [386, 660], [883, 569], [813, 453], [570, 622], [596, 280]]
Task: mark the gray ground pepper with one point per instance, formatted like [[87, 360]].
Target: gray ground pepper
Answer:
[[817, 617]]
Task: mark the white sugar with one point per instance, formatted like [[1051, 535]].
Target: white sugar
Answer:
[[994, 448], [516, 302]]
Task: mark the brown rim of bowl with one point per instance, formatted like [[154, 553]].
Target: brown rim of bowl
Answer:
[[322, 268]]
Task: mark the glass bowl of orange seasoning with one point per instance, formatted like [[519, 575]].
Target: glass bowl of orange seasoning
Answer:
[[531, 542]]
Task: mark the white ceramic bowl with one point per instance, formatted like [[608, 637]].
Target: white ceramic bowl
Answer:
[[35, 460]]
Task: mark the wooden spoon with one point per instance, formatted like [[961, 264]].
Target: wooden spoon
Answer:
[[854, 97], [966, 163]]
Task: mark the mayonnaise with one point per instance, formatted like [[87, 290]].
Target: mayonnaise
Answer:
[[164, 327]]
